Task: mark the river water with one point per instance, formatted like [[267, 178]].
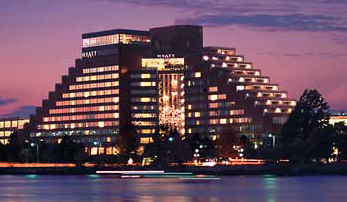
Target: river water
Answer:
[[236, 189]]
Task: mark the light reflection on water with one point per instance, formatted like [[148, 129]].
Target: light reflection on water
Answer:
[[98, 188]]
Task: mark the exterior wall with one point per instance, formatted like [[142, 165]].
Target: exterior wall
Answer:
[[8, 126]]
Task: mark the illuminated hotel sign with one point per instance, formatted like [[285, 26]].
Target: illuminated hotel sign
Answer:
[[166, 56], [89, 54]]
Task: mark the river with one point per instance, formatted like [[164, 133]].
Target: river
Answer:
[[96, 188]]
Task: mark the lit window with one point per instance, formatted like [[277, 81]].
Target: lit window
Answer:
[[197, 74], [189, 107], [222, 96], [197, 114], [240, 88], [223, 121], [101, 124], [213, 97], [213, 89], [145, 76]]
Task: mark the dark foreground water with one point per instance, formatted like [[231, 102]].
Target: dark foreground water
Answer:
[[236, 189]]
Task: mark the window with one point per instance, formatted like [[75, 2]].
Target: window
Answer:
[[213, 89], [240, 88], [7, 124], [213, 97], [223, 121], [197, 74]]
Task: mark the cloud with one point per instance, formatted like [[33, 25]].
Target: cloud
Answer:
[[268, 15], [23, 111], [4, 102], [335, 55], [272, 22]]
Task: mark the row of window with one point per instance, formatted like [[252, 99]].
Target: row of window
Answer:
[[100, 124], [97, 77], [267, 94], [144, 83], [114, 39], [279, 120], [146, 140], [87, 101], [91, 93], [75, 132], [81, 117], [83, 109], [247, 72], [135, 92], [226, 113], [144, 123], [232, 120], [13, 123], [5, 133], [144, 107], [275, 102], [254, 80], [144, 115], [94, 85], [217, 97], [144, 99], [104, 150], [143, 76], [278, 110], [100, 69], [257, 87], [221, 104]]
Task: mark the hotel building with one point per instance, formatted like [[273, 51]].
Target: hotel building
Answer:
[[8, 126], [161, 76], [338, 116]]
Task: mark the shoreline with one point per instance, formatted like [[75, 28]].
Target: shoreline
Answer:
[[219, 170]]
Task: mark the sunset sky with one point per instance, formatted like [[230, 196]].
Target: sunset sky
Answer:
[[299, 43]]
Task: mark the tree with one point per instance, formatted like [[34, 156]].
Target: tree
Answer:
[[167, 147], [340, 139], [307, 128], [3, 152], [70, 151], [228, 138], [128, 141], [206, 146]]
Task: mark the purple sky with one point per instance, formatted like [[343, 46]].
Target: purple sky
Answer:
[[299, 43]]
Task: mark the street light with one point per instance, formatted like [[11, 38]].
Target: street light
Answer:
[[273, 139]]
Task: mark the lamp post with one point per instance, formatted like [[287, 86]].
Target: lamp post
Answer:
[[273, 137]]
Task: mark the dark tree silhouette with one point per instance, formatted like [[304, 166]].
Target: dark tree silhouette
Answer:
[[340, 139], [225, 142], [128, 141], [306, 133]]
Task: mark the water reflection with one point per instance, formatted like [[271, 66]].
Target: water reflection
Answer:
[[98, 188]]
